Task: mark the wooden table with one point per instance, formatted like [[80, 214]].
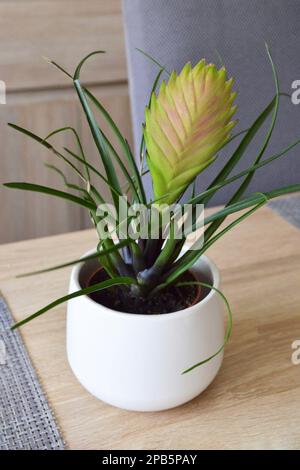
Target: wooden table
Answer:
[[254, 401]]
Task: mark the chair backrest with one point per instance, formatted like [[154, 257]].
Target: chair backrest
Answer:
[[234, 32]]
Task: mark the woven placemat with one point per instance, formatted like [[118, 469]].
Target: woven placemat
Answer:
[[26, 420], [288, 208]]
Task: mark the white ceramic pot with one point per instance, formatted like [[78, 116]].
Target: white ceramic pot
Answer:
[[136, 362]]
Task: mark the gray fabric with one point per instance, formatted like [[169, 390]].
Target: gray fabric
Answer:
[[26, 421], [288, 208], [176, 31]]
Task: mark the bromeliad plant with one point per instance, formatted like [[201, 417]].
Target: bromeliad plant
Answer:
[[186, 123]]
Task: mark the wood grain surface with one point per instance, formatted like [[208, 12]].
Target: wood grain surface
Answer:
[[41, 98], [30, 215], [65, 31], [254, 401]]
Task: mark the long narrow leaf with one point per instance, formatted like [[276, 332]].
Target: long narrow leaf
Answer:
[[199, 198], [75, 133], [99, 141], [242, 147], [130, 180], [79, 66], [148, 56], [30, 134], [88, 290], [292, 188], [97, 254], [106, 115], [94, 170], [52, 192], [189, 258], [250, 201], [228, 328], [59, 67], [47, 145], [123, 144], [64, 178], [243, 187], [249, 177], [142, 145]]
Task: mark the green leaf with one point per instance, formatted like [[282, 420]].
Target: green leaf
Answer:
[[94, 170], [97, 254], [233, 207], [239, 152], [79, 66], [247, 202], [123, 144], [199, 198], [142, 145], [117, 260], [235, 136], [219, 58], [292, 188], [191, 256], [96, 131], [53, 192], [48, 146], [99, 142], [229, 325], [239, 206], [59, 67], [243, 187], [75, 133], [148, 56], [93, 192], [30, 134], [66, 182], [129, 179], [249, 177], [88, 290]]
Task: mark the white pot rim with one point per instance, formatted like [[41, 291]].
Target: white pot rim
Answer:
[[157, 316]]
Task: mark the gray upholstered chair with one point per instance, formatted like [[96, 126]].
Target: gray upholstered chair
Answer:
[[176, 31]]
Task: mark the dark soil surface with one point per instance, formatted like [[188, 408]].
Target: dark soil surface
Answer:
[[171, 299]]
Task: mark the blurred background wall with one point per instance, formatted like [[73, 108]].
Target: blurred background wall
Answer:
[[41, 98]]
